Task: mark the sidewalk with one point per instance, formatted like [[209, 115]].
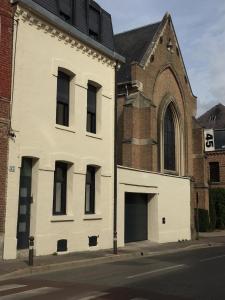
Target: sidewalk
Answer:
[[19, 267]]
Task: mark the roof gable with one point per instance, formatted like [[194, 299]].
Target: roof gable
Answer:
[[133, 45], [126, 42], [138, 45], [214, 118]]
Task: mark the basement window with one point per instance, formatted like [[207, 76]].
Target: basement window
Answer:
[[62, 246]]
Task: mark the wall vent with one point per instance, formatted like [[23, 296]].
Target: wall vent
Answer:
[[62, 245], [93, 241]]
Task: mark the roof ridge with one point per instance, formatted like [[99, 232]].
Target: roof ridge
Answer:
[[212, 109], [137, 28]]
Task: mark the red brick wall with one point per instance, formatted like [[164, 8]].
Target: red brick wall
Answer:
[[217, 156], [6, 34], [200, 167]]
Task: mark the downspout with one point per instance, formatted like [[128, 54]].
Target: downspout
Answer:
[[115, 248], [11, 133]]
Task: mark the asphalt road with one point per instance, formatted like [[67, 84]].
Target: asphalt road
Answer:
[[198, 274]]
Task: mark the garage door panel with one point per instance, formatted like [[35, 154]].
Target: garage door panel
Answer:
[[136, 217]]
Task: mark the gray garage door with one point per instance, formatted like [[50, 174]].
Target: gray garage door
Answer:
[[136, 217]]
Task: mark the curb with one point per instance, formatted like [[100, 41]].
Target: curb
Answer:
[[106, 259]]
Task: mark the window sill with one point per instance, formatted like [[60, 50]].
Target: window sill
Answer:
[[93, 135], [64, 128], [170, 172], [64, 218], [92, 217]]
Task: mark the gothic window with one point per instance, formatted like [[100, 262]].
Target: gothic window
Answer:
[[169, 140]]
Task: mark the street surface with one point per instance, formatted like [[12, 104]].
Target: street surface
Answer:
[[198, 274]]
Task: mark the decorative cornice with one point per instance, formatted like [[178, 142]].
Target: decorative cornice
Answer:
[[27, 17]]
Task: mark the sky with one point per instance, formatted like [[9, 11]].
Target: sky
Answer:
[[200, 28]]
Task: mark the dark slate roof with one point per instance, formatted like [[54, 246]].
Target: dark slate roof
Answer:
[[133, 45], [77, 14], [213, 118]]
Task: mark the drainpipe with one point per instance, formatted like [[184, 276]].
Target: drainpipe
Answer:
[[11, 133], [115, 250]]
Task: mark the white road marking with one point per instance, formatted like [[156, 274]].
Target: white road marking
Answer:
[[138, 299], [28, 294], [95, 295], [10, 287], [212, 258], [156, 271]]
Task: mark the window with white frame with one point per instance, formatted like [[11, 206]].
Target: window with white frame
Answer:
[[92, 108], [90, 191], [63, 99], [60, 188]]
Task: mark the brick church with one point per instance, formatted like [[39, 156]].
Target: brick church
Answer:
[[157, 130]]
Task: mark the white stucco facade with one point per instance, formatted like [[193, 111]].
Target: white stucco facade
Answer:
[[39, 54], [169, 198]]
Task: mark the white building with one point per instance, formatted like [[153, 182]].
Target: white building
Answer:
[[61, 161]]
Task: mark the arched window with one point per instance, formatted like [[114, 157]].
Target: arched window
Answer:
[[169, 140]]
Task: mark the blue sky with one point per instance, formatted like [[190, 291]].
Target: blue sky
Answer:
[[200, 27]]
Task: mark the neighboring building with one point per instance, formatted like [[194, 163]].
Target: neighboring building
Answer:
[[201, 195], [215, 119], [6, 42], [63, 117], [156, 107]]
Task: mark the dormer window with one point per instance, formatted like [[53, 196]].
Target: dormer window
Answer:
[[94, 23], [212, 118], [65, 8]]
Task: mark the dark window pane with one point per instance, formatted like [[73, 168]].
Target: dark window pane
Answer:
[[63, 90], [90, 191], [92, 92], [93, 35], [65, 9], [214, 170], [60, 189], [91, 109], [219, 136], [62, 115], [169, 141], [94, 23]]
